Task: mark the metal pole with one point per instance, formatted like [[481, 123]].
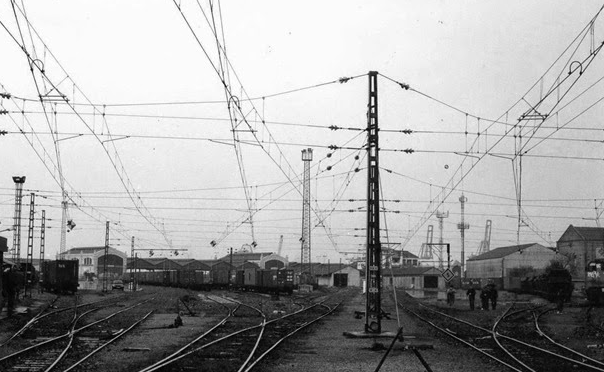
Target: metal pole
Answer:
[[30, 247], [132, 284], [19, 181], [105, 257], [42, 242], [373, 311]]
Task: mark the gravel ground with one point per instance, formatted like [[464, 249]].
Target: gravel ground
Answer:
[[326, 349], [323, 346]]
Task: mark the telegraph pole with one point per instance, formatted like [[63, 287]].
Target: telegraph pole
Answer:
[[463, 226], [132, 283], [30, 247], [105, 257], [373, 310], [305, 261], [19, 181], [42, 241]]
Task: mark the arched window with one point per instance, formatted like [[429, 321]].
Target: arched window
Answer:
[[87, 261]]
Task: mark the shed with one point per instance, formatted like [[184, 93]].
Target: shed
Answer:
[[413, 277], [501, 264], [579, 246]]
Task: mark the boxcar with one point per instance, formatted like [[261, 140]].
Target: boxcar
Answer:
[[60, 276]]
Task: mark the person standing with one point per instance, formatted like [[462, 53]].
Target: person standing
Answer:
[[451, 296], [484, 298], [493, 295], [471, 294]]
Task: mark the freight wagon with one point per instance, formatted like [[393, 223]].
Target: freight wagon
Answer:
[[267, 281], [60, 276]]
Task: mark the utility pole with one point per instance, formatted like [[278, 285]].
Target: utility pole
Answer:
[[132, 283], [305, 261], [105, 257], [42, 241], [19, 181], [463, 226], [29, 261], [230, 265], [441, 216], [373, 308]]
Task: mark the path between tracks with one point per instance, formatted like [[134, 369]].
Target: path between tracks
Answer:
[[326, 348]]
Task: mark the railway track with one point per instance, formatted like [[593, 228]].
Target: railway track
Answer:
[[241, 340], [46, 352], [50, 310], [531, 352]]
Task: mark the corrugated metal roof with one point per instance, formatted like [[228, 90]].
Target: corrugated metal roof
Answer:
[[406, 271], [501, 252], [239, 258], [589, 233]]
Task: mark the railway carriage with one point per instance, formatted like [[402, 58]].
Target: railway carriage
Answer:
[[60, 276]]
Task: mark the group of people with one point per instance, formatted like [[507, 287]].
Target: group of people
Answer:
[[487, 294]]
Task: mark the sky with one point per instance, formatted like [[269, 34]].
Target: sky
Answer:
[[140, 121]]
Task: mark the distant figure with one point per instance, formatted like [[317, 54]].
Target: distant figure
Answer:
[[178, 321], [471, 294], [451, 296], [10, 289], [484, 298], [493, 295], [560, 301]]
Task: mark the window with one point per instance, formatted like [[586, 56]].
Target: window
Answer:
[[87, 261]]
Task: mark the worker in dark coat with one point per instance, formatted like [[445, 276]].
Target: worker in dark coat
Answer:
[[471, 294], [493, 295], [451, 296], [484, 298], [9, 290]]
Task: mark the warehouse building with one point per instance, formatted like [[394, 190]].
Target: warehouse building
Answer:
[[418, 277], [506, 266], [91, 260], [578, 246]]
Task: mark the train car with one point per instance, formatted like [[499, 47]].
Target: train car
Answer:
[[275, 281], [551, 285], [60, 276], [594, 287]]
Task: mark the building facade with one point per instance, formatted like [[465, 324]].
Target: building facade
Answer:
[[578, 246], [501, 264], [91, 261]]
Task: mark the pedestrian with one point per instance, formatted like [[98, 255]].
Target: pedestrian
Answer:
[[493, 296], [471, 294], [484, 298], [560, 301], [451, 296]]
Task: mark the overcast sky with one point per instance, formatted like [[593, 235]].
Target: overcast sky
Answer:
[[146, 142]]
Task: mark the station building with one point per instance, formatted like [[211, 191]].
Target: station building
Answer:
[[91, 260], [506, 266], [579, 246]]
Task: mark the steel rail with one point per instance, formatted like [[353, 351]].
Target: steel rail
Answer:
[[53, 339], [504, 349], [204, 346], [163, 361], [464, 341], [306, 324], [543, 334], [108, 342], [70, 342], [517, 341], [41, 316]]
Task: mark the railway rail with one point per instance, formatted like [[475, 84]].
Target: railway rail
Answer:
[[242, 339], [46, 352], [511, 352]]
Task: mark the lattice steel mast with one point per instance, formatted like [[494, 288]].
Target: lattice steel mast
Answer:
[[373, 311], [19, 181], [305, 250]]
